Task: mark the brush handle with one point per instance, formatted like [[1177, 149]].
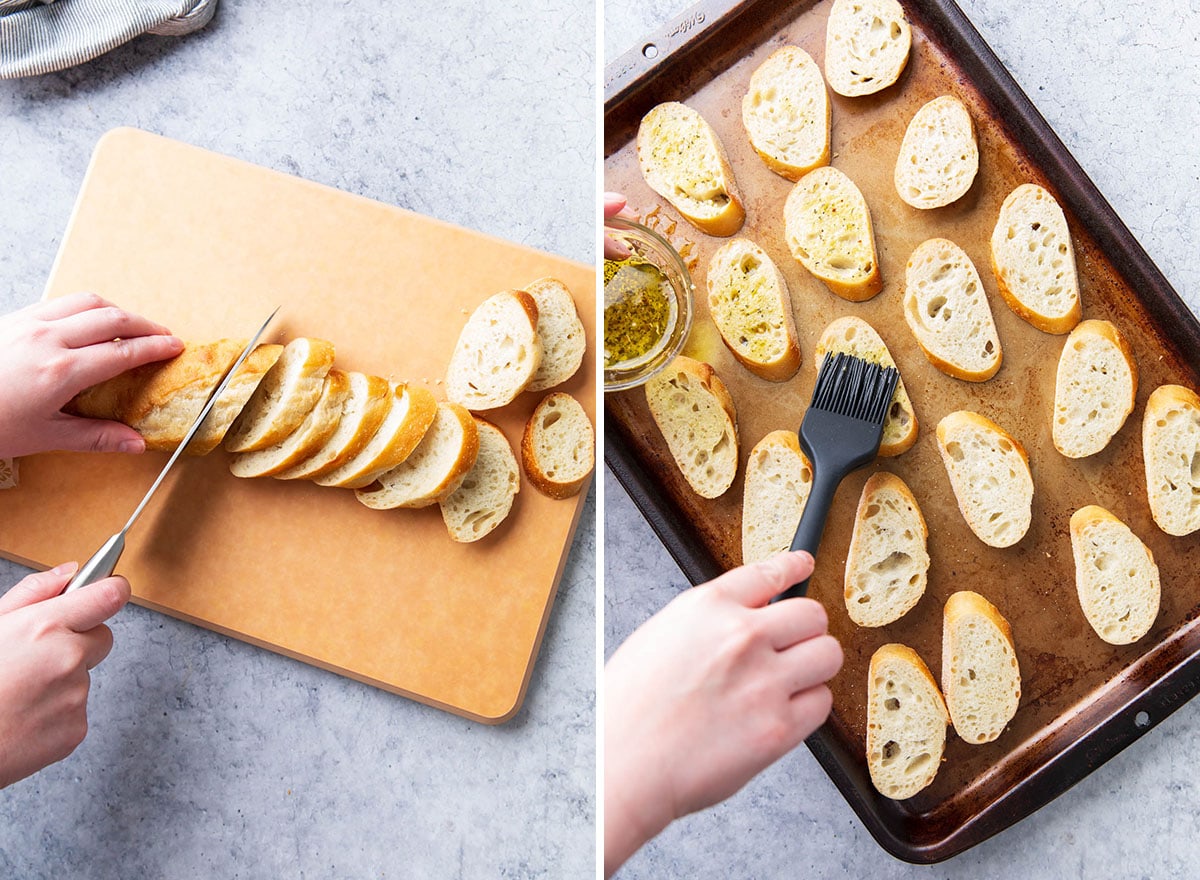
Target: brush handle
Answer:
[[812, 521]]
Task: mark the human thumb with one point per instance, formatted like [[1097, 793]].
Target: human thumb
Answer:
[[38, 587]]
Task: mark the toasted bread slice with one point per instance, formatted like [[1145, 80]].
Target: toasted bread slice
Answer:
[[989, 473], [561, 333], [434, 469], [906, 722], [683, 160], [786, 113], [284, 397], [939, 157], [981, 678], [363, 411], [485, 496], [947, 310], [318, 426], [497, 354], [888, 562], [1095, 389], [828, 229], [1115, 576], [778, 479], [412, 411], [1171, 451], [866, 46], [750, 304], [558, 447]]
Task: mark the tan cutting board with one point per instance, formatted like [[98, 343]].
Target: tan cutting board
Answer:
[[209, 245]]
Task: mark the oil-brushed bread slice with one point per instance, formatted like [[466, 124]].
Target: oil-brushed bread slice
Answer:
[[1171, 451], [558, 446], [888, 561], [981, 678], [434, 469], [778, 479], [855, 336], [561, 333], [485, 496], [1095, 389], [828, 229], [1033, 261], [693, 409], [311, 434], [989, 473], [497, 354], [866, 46], [683, 160], [412, 412], [906, 722], [786, 113], [284, 397], [1115, 576], [947, 310], [749, 302], [363, 411], [939, 156]]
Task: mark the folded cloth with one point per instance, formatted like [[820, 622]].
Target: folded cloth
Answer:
[[41, 36]]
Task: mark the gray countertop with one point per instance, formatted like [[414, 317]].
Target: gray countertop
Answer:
[[1120, 84], [208, 757]]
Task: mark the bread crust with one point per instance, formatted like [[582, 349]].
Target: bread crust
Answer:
[[879, 481], [1109, 332], [422, 407], [482, 428], [1161, 399], [533, 465], [463, 369], [379, 398], [787, 169], [468, 451], [965, 419], [908, 148], [962, 604], [551, 372], [791, 441], [834, 64], [1081, 521], [886, 655]]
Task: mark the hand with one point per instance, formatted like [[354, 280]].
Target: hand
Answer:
[[615, 206], [706, 694], [50, 352], [48, 643]]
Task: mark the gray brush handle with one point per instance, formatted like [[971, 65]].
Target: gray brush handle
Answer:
[[101, 564]]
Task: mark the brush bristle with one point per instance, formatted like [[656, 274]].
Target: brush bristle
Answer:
[[852, 387]]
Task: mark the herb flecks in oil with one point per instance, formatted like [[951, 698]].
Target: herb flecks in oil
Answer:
[[637, 309]]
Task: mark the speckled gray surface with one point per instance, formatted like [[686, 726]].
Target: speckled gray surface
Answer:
[[210, 758], [1120, 84]]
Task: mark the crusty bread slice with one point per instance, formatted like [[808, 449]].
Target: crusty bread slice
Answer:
[[284, 397], [778, 479], [828, 229], [412, 412], [786, 113], [1095, 389], [989, 473], [1115, 576], [363, 411], [947, 310], [1033, 261], [939, 156], [434, 469], [558, 447], [683, 160], [497, 354], [855, 336], [695, 413], [1171, 451], [888, 561], [981, 678], [485, 496], [906, 722], [318, 426], [561, 333], [866, 46], [749, 302]]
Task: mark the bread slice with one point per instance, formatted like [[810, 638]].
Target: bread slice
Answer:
[[1115, 576], [906, 722], [778, 479], [434, 469], [485, 496], [558, 447], [939, 156], [855, 336], [888, 561], [363, 411], [1095, 389], [948, 312], [497, 354], [561, 333], [683, 160], [749, 302], [828, 229], [981, 678], [695, 413], [1033, 261], [989, 473], [866, 46], [1171, 451], [786, 113], [412, 412], [284, 397]]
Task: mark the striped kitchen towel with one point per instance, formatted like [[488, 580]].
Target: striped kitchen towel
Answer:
[[41, 36]]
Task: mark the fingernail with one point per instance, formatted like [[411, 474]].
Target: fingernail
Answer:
[[804, 555], [65, 568], [133, 447]]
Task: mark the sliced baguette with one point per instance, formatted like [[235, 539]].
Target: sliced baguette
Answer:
[[1171, 451], [558, 446], [828, 229], [412, 412], [906, 722], [786, 113], [1095, 389], [1115, 576], [888, 561], [750, 304], [855, 336], [434, 469], [312, 433], [497, 354], [561, 333], [363, 411], [284, 397], [981, 679], [866, 46], [695, 413], [485, 496], [989, 473], [683, 160], [939, 156], [1033, 261], [947, 310], [778, 479]]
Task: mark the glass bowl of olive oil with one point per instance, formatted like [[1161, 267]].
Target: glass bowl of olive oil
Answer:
[[647, 303]]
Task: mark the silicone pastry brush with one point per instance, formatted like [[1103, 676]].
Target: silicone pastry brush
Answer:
[[841, 432]]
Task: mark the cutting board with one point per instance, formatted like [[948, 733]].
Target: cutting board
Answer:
[[209, 245]]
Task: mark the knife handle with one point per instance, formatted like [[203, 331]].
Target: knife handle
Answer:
[[101, 564]]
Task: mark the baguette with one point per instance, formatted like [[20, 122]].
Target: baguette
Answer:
[[981, 678], [558, 445], [888, 561], [906, 722], [939, 156], [1115, 576], [1171, 452], [363, 411], [286, 394], [828, 229], [497, 354], [866, 46], [1095, 389], [561, 333], [786, 113], [989, 473], [778, 479], [434, 469], [411, 413], [485, 496]]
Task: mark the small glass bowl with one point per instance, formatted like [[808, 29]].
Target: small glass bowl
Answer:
[[653, 248]]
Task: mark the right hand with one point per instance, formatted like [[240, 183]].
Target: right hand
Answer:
[[48, 643]]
